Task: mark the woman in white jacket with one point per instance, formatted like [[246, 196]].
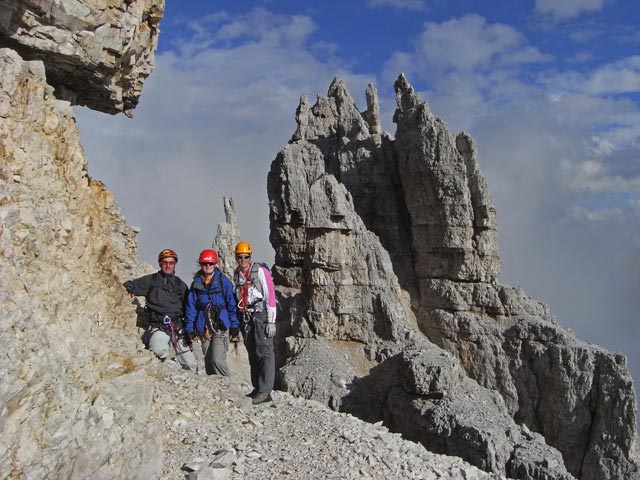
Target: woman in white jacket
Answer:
[[255, 293]]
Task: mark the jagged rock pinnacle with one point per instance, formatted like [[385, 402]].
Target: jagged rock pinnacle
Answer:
[[372, 114], [387, 261], [227, 237]]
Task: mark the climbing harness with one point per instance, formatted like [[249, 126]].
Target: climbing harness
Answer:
[[175, 335], [168, 325]]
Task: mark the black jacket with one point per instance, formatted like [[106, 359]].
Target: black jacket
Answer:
[[165, 294]]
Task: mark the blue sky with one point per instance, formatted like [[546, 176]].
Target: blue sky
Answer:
[[548, 89]]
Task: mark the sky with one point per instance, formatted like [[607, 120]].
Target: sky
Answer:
[[548, 89]]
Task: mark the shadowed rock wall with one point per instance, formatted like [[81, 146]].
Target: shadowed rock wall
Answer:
[[378, 239], [579, 396]]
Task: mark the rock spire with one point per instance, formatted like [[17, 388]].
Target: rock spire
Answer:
[[387, 264], [227, 238]]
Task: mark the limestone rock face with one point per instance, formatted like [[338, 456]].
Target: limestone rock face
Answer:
[[69, 374], [453, 220], [96, 52], [387, 265], [351, 338]]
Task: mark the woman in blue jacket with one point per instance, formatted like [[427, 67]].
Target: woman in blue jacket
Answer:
[[210, 313]]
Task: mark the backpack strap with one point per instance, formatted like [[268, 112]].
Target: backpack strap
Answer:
[[220, 275], [253, 273]]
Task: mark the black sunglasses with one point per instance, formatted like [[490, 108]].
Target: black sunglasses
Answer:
[[243, 256], [206, 264]]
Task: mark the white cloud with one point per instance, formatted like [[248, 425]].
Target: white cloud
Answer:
[[600, 215], [563, 9], [211, 119], [581, 57], [634, 205], [257, 24], [600, 146], [585, 34], [629, 37], [475, 69], [468, 65], [594, 176], [620, 77], [470, 44]]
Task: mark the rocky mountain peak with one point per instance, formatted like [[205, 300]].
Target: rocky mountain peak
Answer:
[[387, 265], [372, 113], [407, 100], [336, 114], [453, 218]]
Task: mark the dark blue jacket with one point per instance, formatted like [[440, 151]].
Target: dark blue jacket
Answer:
[[200, 295]]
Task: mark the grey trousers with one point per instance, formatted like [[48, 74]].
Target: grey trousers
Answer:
[[262, 359], [215, 353], [159, 344]]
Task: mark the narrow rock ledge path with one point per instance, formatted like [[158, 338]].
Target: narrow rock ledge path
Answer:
[[212, 431]]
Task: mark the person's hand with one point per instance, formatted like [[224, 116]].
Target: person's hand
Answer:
[[234, 332], [187, 339], [271, 314], [270, 330]]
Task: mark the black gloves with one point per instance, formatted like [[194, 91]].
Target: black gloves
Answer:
[[234, 332], [187, 338]]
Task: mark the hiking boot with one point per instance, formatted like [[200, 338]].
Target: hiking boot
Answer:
[[252, 393], [261, 397]]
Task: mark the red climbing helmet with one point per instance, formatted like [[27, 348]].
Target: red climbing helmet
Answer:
[[208, 256]]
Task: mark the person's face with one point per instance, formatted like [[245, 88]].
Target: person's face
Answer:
[[168, 266], [207, 268], [244, 260]]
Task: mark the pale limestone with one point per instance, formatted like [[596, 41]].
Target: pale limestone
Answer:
[[67, 326], [97, 53]]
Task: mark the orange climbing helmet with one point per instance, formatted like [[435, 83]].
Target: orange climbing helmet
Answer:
[[243, 247], [208, 256], [167, 253]]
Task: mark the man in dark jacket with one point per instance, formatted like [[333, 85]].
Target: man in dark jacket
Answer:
[[165, 294]]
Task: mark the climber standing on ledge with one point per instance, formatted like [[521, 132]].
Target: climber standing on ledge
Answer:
[[210, 313], [256, 298], [165, 294]]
